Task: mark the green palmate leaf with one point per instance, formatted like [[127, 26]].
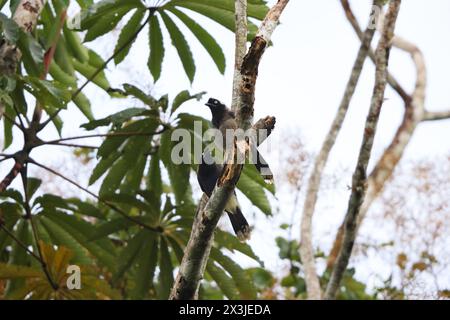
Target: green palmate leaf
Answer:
[[8, 127], [75, 46], [90, 16], [105, 24], [165, 271], [110, 227], [154, 180], [224, 282], [104, 164], [81, 230], [256, 10], [128, 33], [51, 94], [229, 241], [255, 193], [113, 143], [32, 53], [219, 15], [208, 42], [139, 94], [9, 29], [133, 179], [19, 256], [253, 173], [181, 45], [133, 148], [95, 59], [184, 96], [32, 185], [59, 236], [88, 70], [146, 266], [131, 200], [13, 194], [241, 279], [262, 278], [61, 76], [83, 103], [50, 201], [114, 177], [129, 254], [156, 48], [115, 119], [63, 58], [178, 173], [85, 208], [11, 219]]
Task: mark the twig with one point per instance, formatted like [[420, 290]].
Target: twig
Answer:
[[107, 203], [306, 247], [359, 176], [436, 115], [112, 134], [73, 145]]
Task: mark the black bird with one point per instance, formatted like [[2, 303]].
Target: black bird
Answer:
[[223, 119], [208, 173]]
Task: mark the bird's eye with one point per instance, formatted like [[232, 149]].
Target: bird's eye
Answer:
[[215, 101]]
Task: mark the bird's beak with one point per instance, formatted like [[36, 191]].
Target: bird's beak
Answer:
[[208, 104]]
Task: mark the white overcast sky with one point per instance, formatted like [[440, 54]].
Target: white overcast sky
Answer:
[[301, 81]]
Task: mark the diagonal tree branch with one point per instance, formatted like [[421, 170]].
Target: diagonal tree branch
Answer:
[[197, 250], [415, 113], [436, 115], [390, 78], [359, 183], [306, 247]]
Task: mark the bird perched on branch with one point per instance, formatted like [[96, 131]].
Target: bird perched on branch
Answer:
[[224, 119], [207, 175], [209, 171]]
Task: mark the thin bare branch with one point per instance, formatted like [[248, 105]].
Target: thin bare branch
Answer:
[[359, 183], [383, 170], [306, 247], [73, 145], [436, 115], [111, 134], [390, 79]]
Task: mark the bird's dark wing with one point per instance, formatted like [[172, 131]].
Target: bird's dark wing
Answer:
[[207, 176]]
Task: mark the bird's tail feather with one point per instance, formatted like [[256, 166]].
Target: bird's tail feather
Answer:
[[240, 224], [263, 167]]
